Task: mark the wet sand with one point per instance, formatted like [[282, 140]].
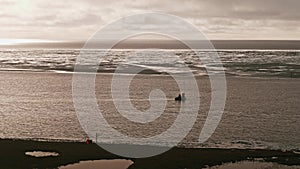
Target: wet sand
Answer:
[[13, 156]]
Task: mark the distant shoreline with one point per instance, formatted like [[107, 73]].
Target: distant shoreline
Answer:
[[169, 44]]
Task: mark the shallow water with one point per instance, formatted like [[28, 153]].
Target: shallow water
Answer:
[[99, 164], [259, 112], [41, 154]]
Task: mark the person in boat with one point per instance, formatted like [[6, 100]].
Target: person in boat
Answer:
[[180, 97]]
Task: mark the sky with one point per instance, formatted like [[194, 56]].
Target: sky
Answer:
[[217, 19]]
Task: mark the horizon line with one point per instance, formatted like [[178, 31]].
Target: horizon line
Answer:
[[153, 43]]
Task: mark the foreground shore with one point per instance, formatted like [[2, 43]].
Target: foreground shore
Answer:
[[13, 156]]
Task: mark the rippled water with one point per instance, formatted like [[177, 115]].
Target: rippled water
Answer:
[[259, 112], [280, 63]]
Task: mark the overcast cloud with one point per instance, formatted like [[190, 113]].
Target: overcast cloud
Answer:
[[218, 19]]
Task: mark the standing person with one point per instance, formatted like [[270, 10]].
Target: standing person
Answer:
[[183, 97]]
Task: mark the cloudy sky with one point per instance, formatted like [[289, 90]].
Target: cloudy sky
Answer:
[[218, 19]]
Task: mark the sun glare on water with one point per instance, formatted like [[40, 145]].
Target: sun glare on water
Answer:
[[21, 41]]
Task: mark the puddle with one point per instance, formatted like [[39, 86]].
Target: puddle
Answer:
[[99, 164], [253, 165], [41, 154]]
